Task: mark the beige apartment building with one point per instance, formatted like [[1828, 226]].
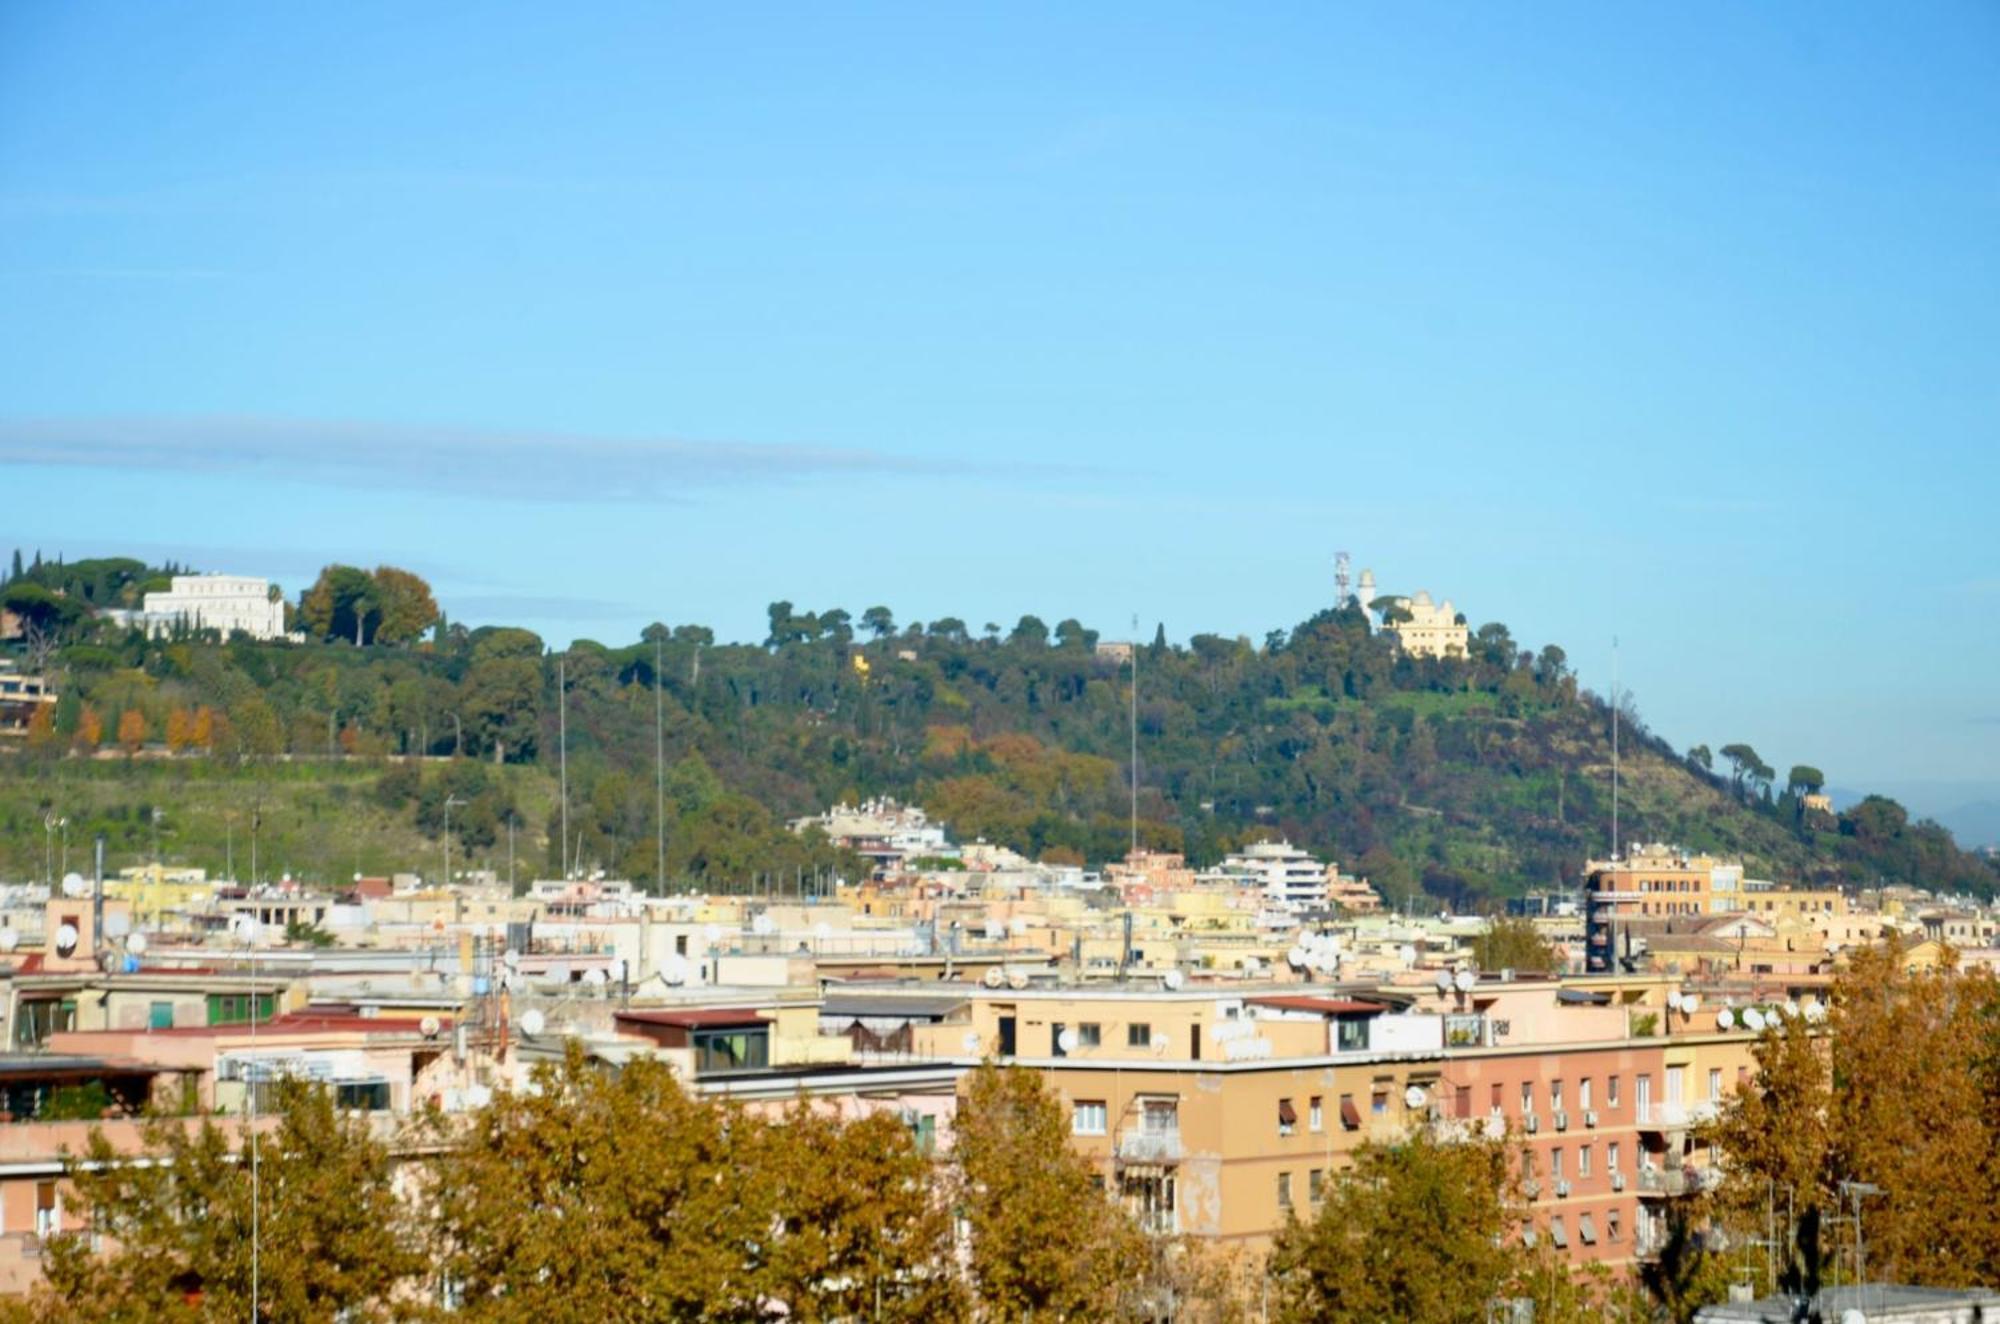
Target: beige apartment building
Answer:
[[1222, 1115], [1651, 882]]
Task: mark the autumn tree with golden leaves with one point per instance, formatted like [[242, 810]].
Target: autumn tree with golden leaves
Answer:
[[334, 1238], [1896, 1091], [1046, 1241]]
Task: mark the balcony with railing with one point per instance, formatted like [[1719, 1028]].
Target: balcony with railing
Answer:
[[1149, 1145], [1662, 1116], [1670, 1182]]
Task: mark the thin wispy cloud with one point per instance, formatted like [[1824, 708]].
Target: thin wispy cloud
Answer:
[[118, 273], [528, 466]]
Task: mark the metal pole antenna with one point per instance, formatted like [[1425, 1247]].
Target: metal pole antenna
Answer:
[[1135, 735], [562, 754], [1616, 704], [659, 780]]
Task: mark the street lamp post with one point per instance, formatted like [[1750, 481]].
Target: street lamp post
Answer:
[[1857, 1191], [449, 801], [247, 931], [51, 822]]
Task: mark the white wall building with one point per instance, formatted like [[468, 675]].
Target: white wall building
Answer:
[[227, 604], [1432, 630], [1290, 878], [883, 832]]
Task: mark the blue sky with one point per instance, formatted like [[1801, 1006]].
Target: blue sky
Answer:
[[1671, 323]]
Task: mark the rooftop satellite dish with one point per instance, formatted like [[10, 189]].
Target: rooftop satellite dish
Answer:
[[1173, 979], [512, 958], [430, 1025], [1725, 1019], [73, 885], [1791, 1008], [713, 933], [674, 970], [135, 943], [66, 937], [245, 929], [1159, 1042], [1067, 1040], [1407, 953], [970, 1043], [1815, 1011], [1415, 1097], [595, 978], [1017, 980], [1690, 1004], [1444, 981], [9, 940], [1753, 1019], [763, 926], [1464, 981], [993, 978], [532, 1022], [1295, 958]]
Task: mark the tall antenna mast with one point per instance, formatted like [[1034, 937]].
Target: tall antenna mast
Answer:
[[659, 779], [1343, 566], [1135, 733], [562, 753], [1617, 702]]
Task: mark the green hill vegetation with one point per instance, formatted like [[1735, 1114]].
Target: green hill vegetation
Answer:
[[1464, 781]]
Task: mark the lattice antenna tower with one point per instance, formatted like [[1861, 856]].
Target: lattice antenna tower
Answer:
[[1343, 579]]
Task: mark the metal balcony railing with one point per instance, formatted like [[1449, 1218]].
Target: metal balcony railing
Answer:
[[1149, 1147]]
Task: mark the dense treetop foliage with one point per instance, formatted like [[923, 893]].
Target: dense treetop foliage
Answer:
[[1460, 780]]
